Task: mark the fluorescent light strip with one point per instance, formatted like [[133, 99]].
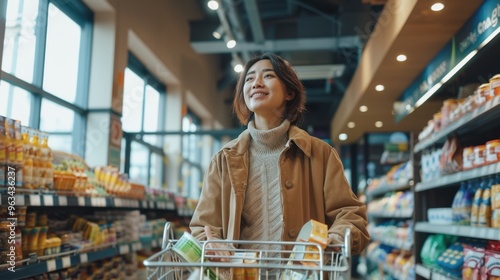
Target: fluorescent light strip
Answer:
[[428, 94], [455, 69], [492, 35], [458, 66]]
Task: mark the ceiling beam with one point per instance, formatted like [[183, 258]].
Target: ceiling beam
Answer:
[[330, 43], [255, 23]]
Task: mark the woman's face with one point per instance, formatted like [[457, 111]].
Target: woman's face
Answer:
[[265, 94]]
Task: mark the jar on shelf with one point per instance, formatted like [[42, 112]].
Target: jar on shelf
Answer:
[[448, 106], [493, 151], [495, 85]]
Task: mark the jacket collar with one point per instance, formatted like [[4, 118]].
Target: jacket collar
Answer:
[[299, 137]]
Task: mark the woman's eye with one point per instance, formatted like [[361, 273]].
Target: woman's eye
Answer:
[[248, 79]]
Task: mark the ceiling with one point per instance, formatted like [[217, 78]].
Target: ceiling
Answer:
[[326, 41]]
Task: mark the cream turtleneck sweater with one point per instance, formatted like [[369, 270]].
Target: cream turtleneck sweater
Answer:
[[263, 211]]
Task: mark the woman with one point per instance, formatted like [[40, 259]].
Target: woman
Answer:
[[271, 180]]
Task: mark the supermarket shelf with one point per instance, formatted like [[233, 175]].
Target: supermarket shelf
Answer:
[[388, 188], [73, 259], [48, 200], [406, 213], [388, 269], [433, 274], [466, 231], [394, 242], [458, 177], [482, 115]]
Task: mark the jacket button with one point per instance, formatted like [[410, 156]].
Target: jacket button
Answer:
[[288, 184], [292, 233]]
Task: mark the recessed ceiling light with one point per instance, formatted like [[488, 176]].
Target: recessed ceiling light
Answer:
[[379, 124], [231, 44], [238, 68], [379, 87], [342, 136], [213, 5], [401, 58], [436, 7], [351, 125], [363, 108]]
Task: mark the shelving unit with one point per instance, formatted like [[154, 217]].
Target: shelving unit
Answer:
[[49, 200], [473, 128], [45, 264]]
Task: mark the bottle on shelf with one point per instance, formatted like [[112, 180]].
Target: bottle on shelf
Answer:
[[35, 154], [19, 148], [28, 159], [3, 151], [484, 217]]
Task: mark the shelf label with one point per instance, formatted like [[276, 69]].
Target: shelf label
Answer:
[[66, 262], [124, 249], [35, 200], [423, 271], [81, 201], [118, 202], [63, 201], [51, 265], [84, 258], [48, 200], [20, 199], [94, 202]]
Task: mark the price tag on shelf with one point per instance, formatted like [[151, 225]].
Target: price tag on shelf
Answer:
[[94, 202], [48, 200], [20, 199], [84, 258], [63, 200], [118, 202], [81, 201], [493, 234], [103, 201], [35, 200], [124, 249], [423, 271], [66, 262], [51, 265]]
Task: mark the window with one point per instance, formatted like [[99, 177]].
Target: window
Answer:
[[142, 112], [191, 172], [45, 68]]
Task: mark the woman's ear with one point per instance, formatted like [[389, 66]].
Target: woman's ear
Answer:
[[290, 95]]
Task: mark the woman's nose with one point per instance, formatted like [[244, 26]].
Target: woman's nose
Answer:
[[257, 83]]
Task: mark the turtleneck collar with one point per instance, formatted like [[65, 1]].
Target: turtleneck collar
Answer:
[[265, 141]]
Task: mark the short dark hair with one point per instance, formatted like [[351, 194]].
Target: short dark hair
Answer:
[[285, 72]]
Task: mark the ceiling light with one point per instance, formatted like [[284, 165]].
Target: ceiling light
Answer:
[[342, 136], [401, 58], [363, 108], [436, 7], [351, 125], [379, 124], [218, 32], [238, 68], [213, 5], [379, 87]]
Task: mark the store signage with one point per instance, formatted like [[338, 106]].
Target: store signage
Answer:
[[476, 32]]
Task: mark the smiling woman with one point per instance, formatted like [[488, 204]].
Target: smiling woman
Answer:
[[275, 177]]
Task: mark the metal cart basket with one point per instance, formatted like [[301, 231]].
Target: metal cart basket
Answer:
[[272, 260]]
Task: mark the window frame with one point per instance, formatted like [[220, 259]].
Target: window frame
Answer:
[[84, 17]]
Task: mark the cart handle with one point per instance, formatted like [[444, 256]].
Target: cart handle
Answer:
[[168, 233]]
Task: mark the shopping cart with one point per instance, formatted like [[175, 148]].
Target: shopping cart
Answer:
[[292, 260]]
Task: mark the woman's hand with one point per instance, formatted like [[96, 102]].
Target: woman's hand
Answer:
[[221, 251], [336, 240]]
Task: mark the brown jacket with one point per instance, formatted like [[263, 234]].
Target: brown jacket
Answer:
[[313, 186]]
